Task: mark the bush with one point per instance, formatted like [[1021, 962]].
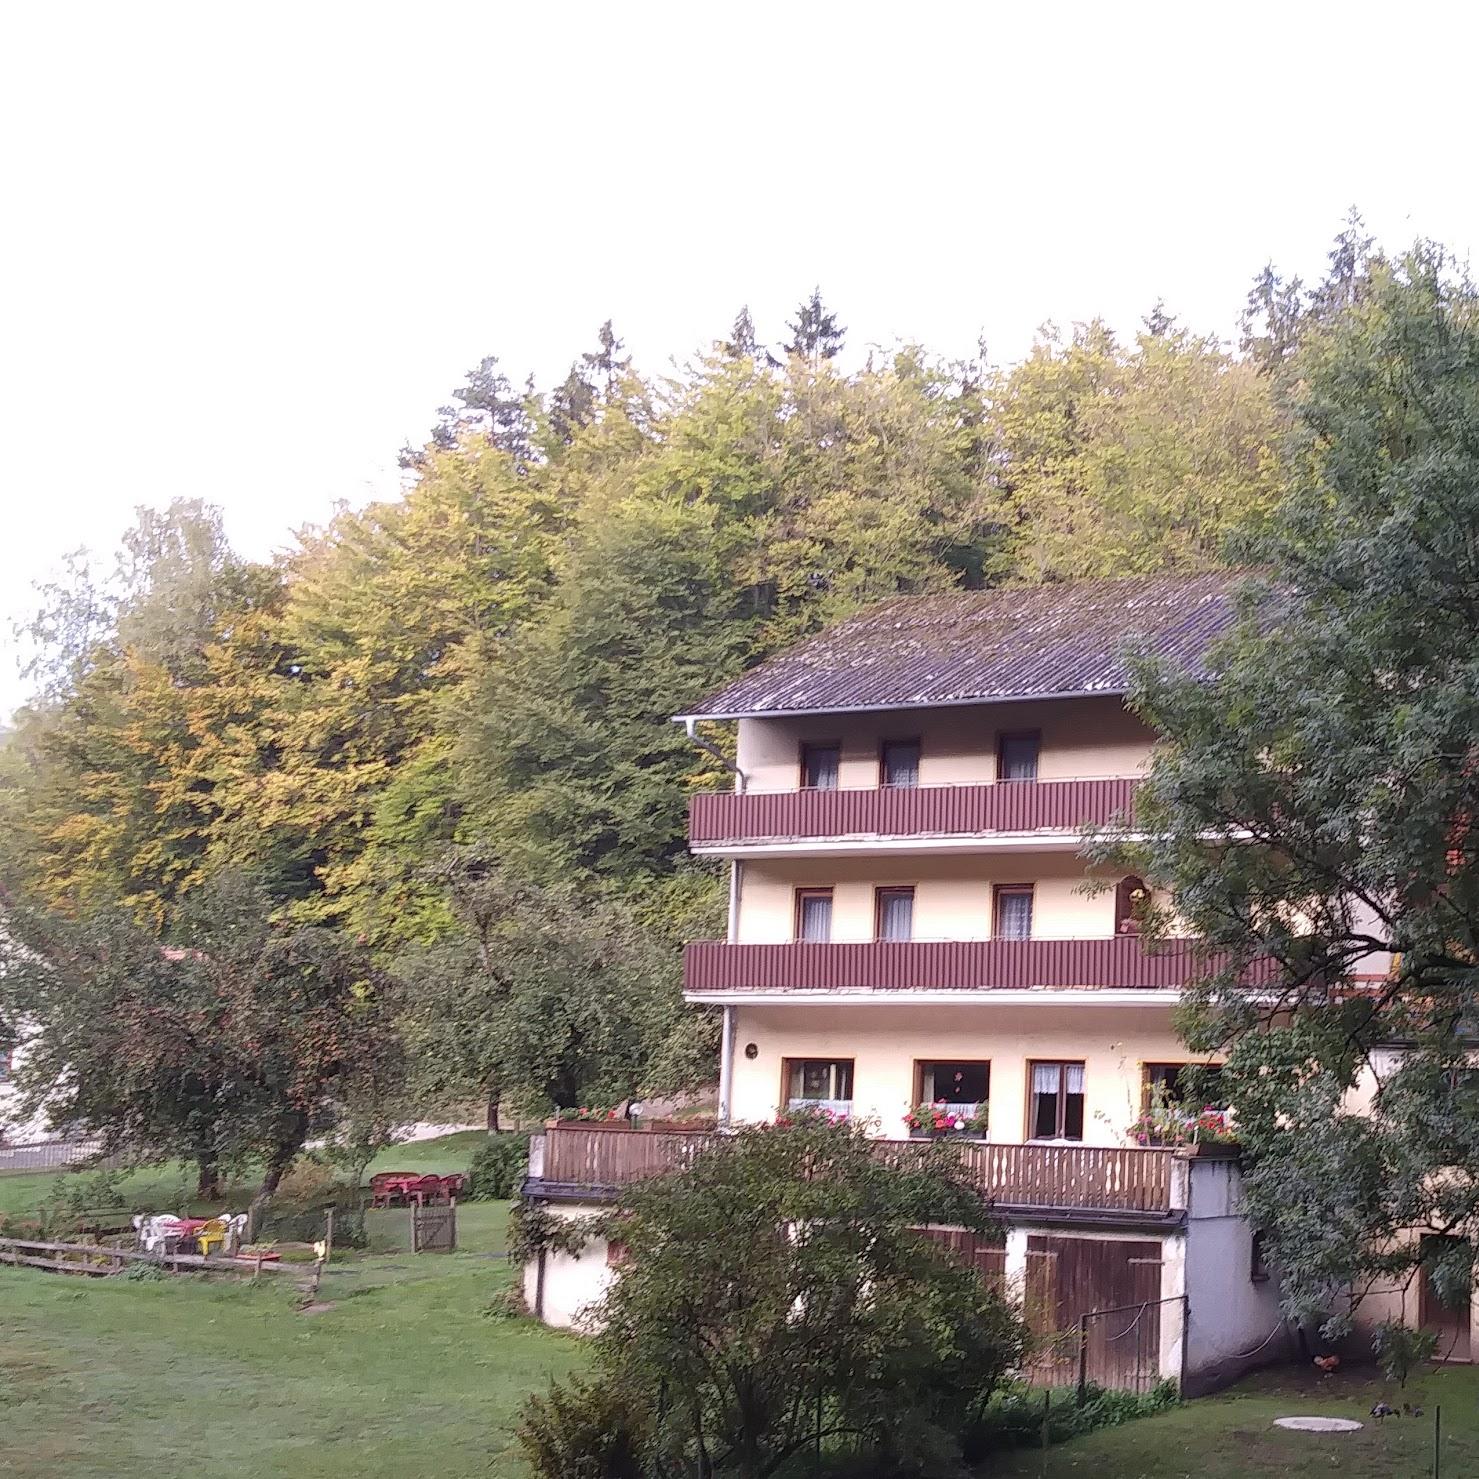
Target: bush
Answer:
[[584, 1430], [497, 1168], [82, 1193], [308, 1184], [1400, 1347], [1014, 1417]]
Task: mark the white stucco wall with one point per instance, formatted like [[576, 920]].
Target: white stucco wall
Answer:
[[572, 1284], [1234, 1320]]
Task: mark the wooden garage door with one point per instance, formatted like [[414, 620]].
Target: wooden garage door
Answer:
[[986, 1255], [1070, 1277]]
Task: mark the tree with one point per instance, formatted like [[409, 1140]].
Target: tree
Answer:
[[741, 343], [545, 998], [486, 402], [1337, 736], [1119, 461], [237, 1043], [779, 1301], [816, 335]]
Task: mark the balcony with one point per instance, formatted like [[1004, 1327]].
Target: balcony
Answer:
[[595, 1163], [776, 821], [1115, 962]]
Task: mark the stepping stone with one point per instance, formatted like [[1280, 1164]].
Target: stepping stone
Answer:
[[1318, 1424]]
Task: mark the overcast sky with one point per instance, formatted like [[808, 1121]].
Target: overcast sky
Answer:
[[248, 250]]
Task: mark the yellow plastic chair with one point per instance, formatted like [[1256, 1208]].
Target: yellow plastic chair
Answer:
[[212, 1237]]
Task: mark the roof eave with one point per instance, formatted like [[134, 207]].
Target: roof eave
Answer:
[[932, 703]]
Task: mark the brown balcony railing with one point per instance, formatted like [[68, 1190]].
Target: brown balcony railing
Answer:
[[1048, 1176], [908, 811], [1116, 961]]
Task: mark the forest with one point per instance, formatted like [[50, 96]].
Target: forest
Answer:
[[434, 737]]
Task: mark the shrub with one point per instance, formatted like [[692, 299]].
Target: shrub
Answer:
[[1400, 1347], [497, 1168], [584, 1430], [80, 1193], [308, 1184], [1014, 1417]]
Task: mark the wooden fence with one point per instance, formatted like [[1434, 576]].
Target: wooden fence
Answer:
[[1047, 1176], [98, 1259]]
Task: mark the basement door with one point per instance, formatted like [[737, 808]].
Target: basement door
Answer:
[[1449, 1323], [1069, 1277]]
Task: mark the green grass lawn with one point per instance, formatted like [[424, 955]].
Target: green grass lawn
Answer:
[[406, 1373], [1231, 1436]]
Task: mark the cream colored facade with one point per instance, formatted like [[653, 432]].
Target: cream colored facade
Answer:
[[952, 894], [887, 1044], [1114, 1035], [1081, 738]]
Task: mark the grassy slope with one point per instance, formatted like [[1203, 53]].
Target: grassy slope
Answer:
[[1232, 1436], [405, 1374], [173, 1187]]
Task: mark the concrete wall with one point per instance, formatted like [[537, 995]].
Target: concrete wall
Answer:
[[569, 1287], [885, 1043], [952, 895], [1080, 738], [1234, 1322]]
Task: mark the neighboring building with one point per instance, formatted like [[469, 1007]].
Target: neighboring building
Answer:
[[911, 920]]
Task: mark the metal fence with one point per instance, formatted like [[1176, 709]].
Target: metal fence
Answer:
[[50, 1155]]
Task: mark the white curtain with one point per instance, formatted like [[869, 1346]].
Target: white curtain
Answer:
[[1075, 1078], [1045, 1078]]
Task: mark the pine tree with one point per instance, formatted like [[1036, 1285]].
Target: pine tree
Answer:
[[816, 335]]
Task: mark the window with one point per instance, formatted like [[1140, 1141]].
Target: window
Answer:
[[893, 913], [1056, 1108], [967, 1084], [814, 915], [898, 763], [1167, 1084], [1257, 1260], [1016, 756], [821, 1082], [1011, 911], [1130, 898], [819, 767]]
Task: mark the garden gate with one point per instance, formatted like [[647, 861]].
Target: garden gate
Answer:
[[434, 1228]]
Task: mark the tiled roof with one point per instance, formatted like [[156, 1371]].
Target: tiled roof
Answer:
[[1015, 642]]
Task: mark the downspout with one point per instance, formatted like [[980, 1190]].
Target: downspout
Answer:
[[690, 726], [726, 1066]]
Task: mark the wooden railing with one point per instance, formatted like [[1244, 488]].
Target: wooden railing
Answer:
[[1113, 962], [908, 811], [1047, 1176]]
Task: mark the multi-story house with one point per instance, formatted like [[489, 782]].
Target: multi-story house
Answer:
[[912, 921]]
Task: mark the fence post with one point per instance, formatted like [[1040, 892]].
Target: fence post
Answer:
[[328, 1232], [1083, 1358]]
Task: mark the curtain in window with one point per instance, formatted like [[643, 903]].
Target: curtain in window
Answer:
[[901, 765], [816, 918], [821, 767], [1074, 1078], [1014, 915], [1045, 1078], [896, 914], [1018, 760]]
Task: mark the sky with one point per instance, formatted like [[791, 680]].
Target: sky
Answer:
[[248, 250]]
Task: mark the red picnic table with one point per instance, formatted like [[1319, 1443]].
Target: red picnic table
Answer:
[[387, 1188]]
